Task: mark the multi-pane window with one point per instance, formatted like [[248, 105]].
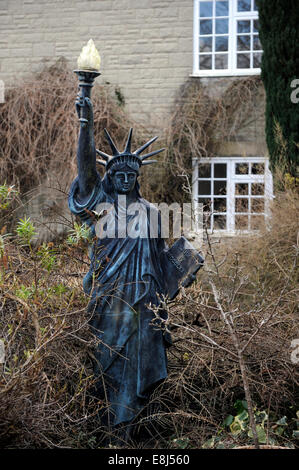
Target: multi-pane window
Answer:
[[226, 40], [234, 192]]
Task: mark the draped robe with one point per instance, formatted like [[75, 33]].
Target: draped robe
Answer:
[[128, 275]]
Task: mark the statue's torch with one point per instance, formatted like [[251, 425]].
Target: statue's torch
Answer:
[[88, 69]]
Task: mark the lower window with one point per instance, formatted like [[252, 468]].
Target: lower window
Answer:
[[233, 192]]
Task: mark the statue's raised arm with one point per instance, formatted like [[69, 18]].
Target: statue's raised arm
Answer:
[[86, 151]]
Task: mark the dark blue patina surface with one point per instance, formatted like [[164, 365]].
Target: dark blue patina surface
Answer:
[[126, 274], [129, 276]]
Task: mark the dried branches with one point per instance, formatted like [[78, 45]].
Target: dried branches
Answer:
[[232, 332], [38, 130], [201, 122]]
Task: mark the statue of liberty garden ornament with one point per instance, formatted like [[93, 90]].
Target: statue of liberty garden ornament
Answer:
[[131, 265]]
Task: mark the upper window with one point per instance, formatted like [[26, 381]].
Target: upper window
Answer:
[[226, 40]]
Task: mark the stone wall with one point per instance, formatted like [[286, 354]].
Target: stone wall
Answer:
[[146, 50], [249, 139], [145, 45]]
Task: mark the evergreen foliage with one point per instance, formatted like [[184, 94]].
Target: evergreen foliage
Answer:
[[279, 35]]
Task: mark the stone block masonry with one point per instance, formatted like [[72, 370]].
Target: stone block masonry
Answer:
[[145, 45]]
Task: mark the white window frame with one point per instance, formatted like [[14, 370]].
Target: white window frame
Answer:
[[231, 180], [232, 70]]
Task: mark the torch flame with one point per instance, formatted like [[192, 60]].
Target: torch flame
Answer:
[[89, 58]]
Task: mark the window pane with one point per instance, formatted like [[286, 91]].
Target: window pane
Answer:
[[204, 187], [255, 5], [242, 169], [219, 205], [219, 222], [243, 61], [221, 26], [243, 43], [257, 59], [244, 26], [241, 205], [207, 203], [257, 168], [241, 189], [220, 170], [205, 62], [205, 44], [244, 5], [256, 44], [221, 43], [205, 27], [222, 8], [257, 189], [257, 205], [221, 61], [220, 187], [206, 9], [204, 171], [241, 222], [255, 26]]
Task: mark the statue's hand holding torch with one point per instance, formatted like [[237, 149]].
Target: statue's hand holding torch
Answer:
[[88, 69]]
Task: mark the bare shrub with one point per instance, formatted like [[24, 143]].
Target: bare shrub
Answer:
[[200, 123], [245, 303], [46, 373], [38, 131]]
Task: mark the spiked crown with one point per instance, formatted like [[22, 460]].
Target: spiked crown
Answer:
[[133, 160]]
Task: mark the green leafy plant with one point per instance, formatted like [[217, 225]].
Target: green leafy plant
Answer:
[[47, 257], [215, 442], [25, 231], [237, 427], [78, 233], [239, 423], [181, 442], [59, 289], [296, 431], [24, 292]]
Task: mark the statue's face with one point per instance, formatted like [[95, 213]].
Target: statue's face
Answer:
[[124, 181]]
